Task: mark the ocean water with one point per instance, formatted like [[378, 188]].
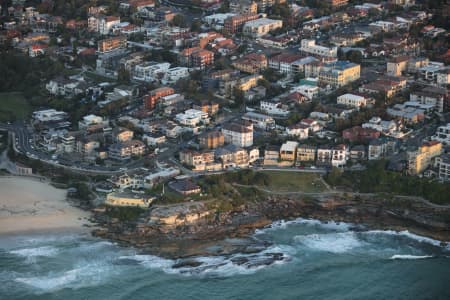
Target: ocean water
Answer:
[[304, 259]]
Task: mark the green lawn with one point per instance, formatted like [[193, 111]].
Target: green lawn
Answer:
[[280, 181], [13, 106]]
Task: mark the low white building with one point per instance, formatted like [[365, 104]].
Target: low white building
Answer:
[[352, 100], [172, 75], [192, 118], [49, 115], [376, 123], [149, 71], [260, 27], [306, 90], [273, 108], [310, 47], [300, 131], [442, 134], [90, 120], [259, 120]]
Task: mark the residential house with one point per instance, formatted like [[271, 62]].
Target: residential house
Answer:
[[232, 156], [435, 96], [358, 153], [339, 155], [288, 151], [196, 159], [306, 153], [381, 148], [397, 65], [259, 120], [152, 98], [211, 139], [359, 134], [442, 134], [251, 63], [125, 150], [324, 155], [442, 163], [284, 63], [301, 131]]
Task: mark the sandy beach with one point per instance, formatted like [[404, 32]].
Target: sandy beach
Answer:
[[27, 204]]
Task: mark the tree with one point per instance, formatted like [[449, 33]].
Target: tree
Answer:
[[123, 76], [196, 26], [179, 20], [239, 97], [224, 7]]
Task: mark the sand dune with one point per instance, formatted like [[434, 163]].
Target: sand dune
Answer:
[[30, 205]]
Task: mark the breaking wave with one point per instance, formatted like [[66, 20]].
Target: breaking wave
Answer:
[[33, 252], [406, 256], [339, 242]]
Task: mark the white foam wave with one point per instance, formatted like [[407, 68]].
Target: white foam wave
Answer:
[[34, 252], [406, 256], [330, 225], [338, 242], [90, 274], [217, 266], [150, 261], [409, 235]]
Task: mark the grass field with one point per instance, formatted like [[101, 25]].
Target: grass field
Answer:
[[13, 106], [294, 182]]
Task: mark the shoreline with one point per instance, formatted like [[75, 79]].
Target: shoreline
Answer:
[[29, 205], [196, 239]]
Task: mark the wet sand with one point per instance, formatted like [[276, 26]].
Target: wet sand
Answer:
[[28, 205]]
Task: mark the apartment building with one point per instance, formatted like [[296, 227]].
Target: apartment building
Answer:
[[352, 100], [397, 65], [243, 7], [152, 98], [111, 44], [306, 153], [310, 47], [236, 23], [150, 71], [251, 63], [211, 139], [442, 163], [443, 134], [192, 118], [339, 73], [125, 150], [288, 151], [260, 27], [238, 134], [420, 159], [285, 62], [196, 159], [102, 24]]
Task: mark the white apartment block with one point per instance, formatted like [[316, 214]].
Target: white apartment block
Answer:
[[172, 75], [192, 118], [102, 24], [260, 27], [442, 134], [352, 100], [273, 108], [237, 134], [310, 47], [306, 90], [149, 71]]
